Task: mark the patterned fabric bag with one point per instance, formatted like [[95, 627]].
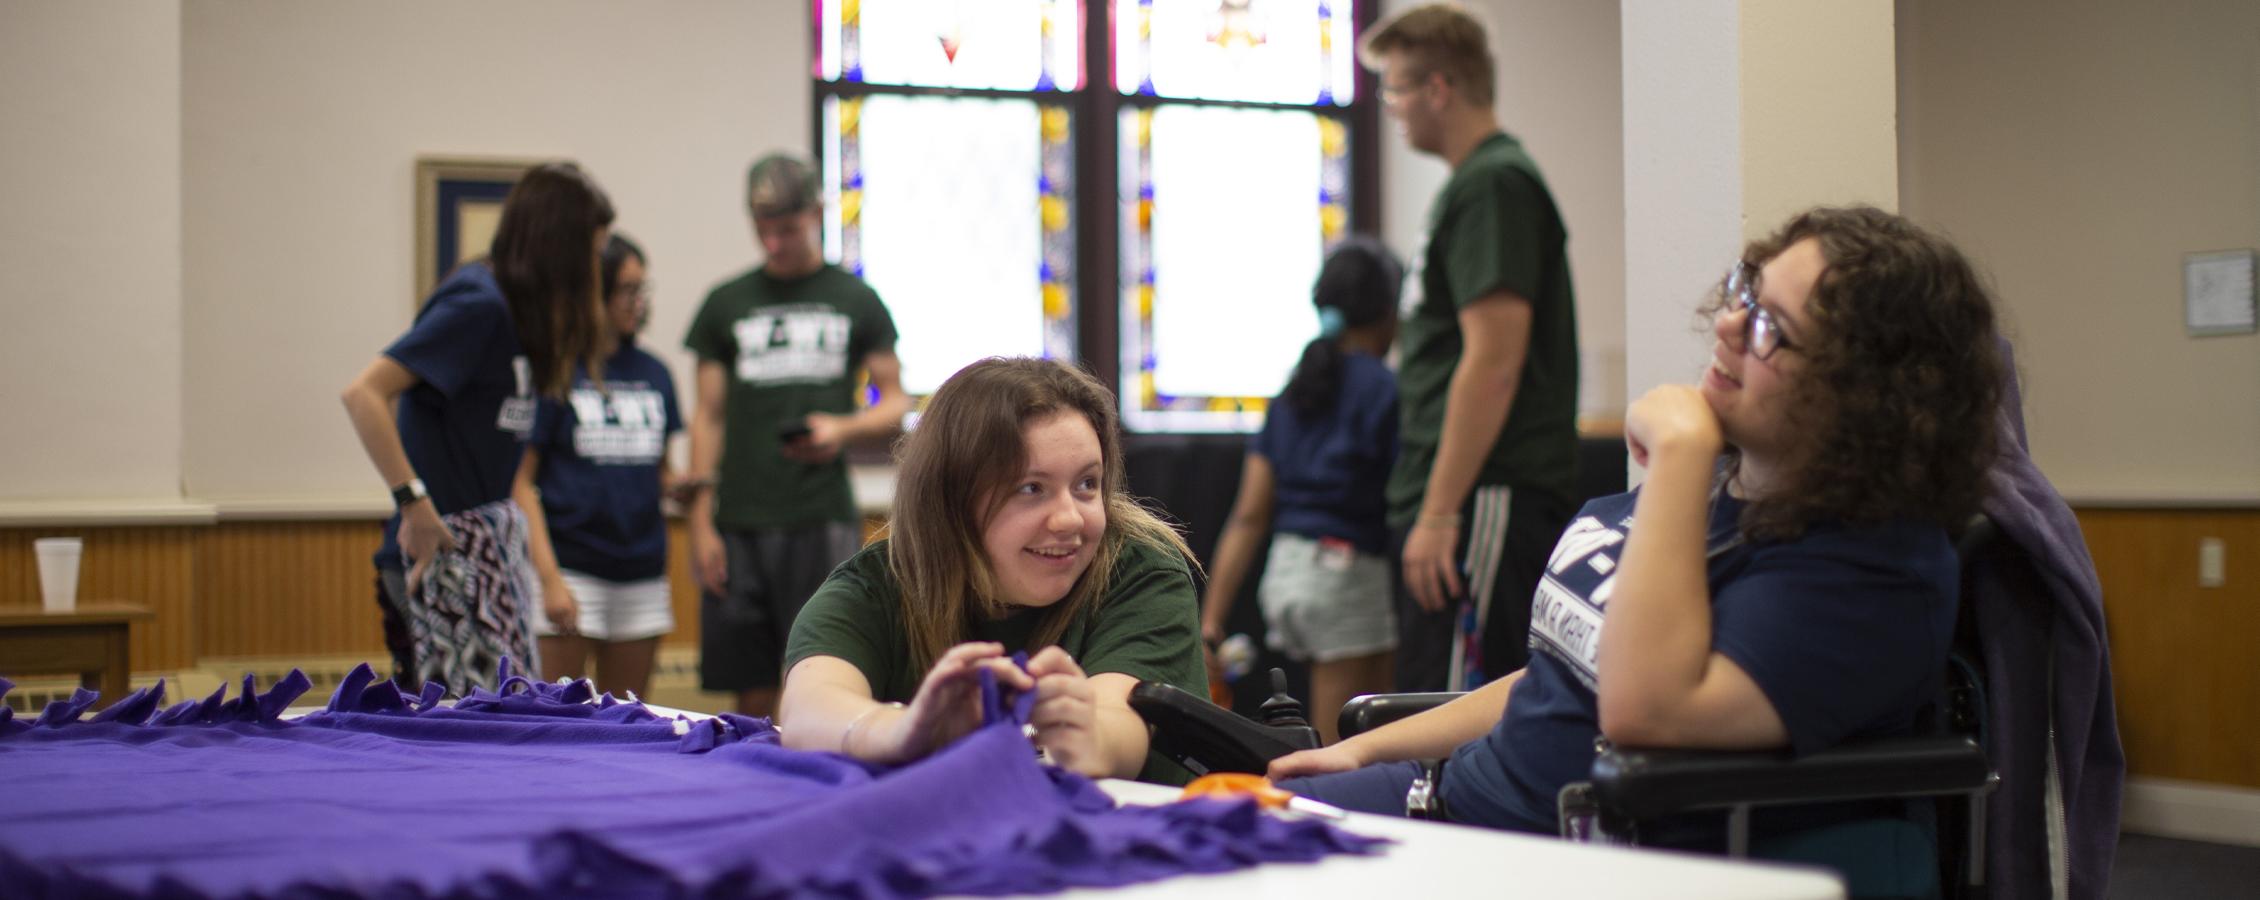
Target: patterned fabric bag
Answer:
[[476, 603]]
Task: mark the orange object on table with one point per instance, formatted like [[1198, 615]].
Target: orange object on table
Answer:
[[1239, 784]]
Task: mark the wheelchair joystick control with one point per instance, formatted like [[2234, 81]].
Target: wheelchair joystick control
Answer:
[[1205, 737], [1282, 710]]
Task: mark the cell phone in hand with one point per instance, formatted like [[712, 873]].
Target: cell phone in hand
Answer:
[[792, 432]]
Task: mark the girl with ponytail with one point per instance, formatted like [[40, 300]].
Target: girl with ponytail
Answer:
[[1313, 481]]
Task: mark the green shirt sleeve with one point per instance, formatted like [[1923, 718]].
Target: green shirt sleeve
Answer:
[[875, 328], [852, 617], [1148, 627], [1497, 239], [709, 337]]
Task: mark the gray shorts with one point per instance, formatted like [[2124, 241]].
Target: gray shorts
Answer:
[[1324, 602], [773, 572]]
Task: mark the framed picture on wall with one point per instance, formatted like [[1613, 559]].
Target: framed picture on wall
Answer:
[[458, 205]]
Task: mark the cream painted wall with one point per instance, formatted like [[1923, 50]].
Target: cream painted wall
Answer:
[[2077, 151], [1683, 178], [90, 248], [265, 151], [1559, 91], [1819, 108], [303, 122]]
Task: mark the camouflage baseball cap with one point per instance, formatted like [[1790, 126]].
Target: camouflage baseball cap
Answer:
[[780, 185]]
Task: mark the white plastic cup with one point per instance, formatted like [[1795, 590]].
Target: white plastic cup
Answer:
[[58, 572]]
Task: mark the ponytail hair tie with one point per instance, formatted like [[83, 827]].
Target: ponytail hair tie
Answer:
[[1330, 321]]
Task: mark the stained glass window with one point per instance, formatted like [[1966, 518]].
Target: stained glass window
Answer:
[[949, 134], [1012, 45], [1264, 51], [1226, 215], [956, 210]]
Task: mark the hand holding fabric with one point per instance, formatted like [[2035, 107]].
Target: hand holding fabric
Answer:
[[948, 703], [1066, 713], [422, 537]]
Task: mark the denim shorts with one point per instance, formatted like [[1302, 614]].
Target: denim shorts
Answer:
[[1325, 601]]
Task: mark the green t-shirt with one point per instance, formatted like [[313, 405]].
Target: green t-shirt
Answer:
[[791, 348], [1147, 627], [1493, 227]]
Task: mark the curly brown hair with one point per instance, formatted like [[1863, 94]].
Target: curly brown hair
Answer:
[[1902, 379]]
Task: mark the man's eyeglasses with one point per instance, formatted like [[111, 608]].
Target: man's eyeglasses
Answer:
[[1396, 93], [1759, 331], [636, 289]]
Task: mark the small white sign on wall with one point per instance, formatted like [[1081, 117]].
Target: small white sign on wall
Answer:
[[2217, 293]]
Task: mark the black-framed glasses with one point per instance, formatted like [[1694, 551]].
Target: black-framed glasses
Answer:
[[637, 289], [1760, 332]]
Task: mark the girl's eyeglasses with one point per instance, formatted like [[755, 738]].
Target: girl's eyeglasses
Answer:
[[1759, 331]]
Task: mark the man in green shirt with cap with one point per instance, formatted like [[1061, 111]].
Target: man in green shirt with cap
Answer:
[[779, 352], [1487, 377]]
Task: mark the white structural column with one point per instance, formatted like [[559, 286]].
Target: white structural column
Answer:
[[1736, 114]]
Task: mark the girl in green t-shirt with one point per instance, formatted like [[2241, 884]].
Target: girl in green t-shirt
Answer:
[[1011, 523]]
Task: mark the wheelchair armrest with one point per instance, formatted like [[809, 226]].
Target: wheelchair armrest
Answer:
[[1641, 784], [1366, 712], [1204, 737]]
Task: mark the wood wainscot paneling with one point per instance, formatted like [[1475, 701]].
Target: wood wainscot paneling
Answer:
[[276, 590], [290, 589], [148, 566], [2182, 655], [682, 586]]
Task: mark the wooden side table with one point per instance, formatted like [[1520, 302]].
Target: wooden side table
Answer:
[[90, 642]]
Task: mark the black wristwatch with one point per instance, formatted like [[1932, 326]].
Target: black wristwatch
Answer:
[[410, 492]]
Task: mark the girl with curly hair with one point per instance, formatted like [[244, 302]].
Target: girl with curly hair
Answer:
[[1785, 577]]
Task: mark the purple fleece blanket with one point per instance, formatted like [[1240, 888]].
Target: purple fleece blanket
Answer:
[[544, 790]]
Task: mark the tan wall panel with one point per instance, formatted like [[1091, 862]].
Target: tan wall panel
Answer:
[[2188, 696], [283, 589], [2076, 151], [154, 567]]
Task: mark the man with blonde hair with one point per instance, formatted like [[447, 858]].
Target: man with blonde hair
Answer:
[[1488, 374]]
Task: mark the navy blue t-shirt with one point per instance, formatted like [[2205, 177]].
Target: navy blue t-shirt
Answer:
[[601, 451], [465, 420], [1846, 630], [1332, 469]]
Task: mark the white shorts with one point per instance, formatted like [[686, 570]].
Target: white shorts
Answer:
[[615, 610], [1325, 602]]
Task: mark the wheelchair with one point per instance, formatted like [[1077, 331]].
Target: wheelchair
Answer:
[[1628, 786]]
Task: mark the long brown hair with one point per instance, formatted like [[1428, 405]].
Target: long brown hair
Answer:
[[544, 258], [954, 470], [1896, 402]]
